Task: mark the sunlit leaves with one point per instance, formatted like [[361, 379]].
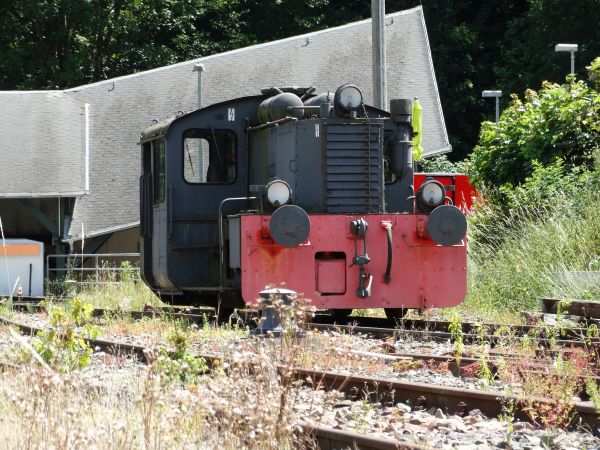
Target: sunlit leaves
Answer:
[[558, 121]]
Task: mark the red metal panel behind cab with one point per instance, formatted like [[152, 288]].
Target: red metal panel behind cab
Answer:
[[464, 191], [423, 274]]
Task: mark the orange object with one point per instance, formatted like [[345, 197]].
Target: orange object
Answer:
[[19, 250]]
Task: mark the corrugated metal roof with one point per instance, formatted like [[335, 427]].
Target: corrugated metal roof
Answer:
[[121, 108]]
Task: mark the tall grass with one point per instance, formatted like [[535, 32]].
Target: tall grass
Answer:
[[121, 290], [520, 254]]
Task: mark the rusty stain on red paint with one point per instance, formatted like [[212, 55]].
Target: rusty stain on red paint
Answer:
[[266, 243]]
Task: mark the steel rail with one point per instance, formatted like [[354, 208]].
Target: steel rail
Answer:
[[374, 326], [455, 366], [570, 337], [192, 315], [114, 348], [453, 400], [443, 336], [443, 326], [325, 321], [333, 439], [326, 437]]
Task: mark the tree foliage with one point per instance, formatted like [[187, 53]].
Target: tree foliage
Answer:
[[49, 44], [559, 121]]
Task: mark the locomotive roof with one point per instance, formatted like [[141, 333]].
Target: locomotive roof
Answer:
[[161, 129], [157, 130]]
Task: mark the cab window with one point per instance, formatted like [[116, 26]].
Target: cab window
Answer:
[[158, 171], [209, 156]]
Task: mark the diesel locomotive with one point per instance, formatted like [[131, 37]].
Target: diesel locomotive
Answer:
[[314, 193]]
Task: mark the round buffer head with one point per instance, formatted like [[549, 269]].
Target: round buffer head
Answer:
[[289, 225], [447, 225]]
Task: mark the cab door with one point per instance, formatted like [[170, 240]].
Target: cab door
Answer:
[[146, 189], [160, 210], [210, 175]]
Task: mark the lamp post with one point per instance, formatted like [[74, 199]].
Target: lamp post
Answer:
[[571, 48], [378, 50], [496, 95]]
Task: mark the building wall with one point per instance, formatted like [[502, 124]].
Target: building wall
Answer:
[[125, 241]]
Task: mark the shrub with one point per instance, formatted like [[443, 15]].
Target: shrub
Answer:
[[558, 121], [441, 164], [63, 347]]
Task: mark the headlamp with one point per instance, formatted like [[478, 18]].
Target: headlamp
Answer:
[[348, 98], [278, 193], [430, 195]]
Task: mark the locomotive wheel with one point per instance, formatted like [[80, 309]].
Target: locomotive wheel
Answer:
[[395, 313], [340, 315]]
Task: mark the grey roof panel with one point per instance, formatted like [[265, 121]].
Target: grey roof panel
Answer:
[[42, 144]]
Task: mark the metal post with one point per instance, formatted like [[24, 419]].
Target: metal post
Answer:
[[496, 95], [199, 68], [378, 51], [497, 109], [572, 63]]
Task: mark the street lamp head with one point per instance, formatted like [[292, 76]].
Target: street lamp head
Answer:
[[491, 94], [199, 67], [566, 48]]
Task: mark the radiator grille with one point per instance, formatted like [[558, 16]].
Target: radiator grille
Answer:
[[353, 168]]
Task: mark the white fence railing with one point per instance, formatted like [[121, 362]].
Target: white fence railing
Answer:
[[91, 268]]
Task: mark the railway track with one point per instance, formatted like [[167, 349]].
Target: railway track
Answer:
[[564, 339], [580, 341], [453, 400], [373, 326], [546, 337]]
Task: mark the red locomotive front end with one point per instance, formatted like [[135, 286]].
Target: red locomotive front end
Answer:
[[416, 273]]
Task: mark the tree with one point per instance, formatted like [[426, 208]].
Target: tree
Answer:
[[52, 44]]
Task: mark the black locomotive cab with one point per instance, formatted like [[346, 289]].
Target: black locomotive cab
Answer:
[[189, 165]]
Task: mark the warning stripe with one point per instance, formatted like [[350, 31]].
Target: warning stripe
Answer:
[[19, 250]]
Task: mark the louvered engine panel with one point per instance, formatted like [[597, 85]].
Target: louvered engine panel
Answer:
[[354, 161]]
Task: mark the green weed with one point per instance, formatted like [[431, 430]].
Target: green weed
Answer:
[[64, 346], [457, 336], [526, 246]]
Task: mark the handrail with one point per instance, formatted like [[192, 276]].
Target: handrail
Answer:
[[221, 239], [96, 269]]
